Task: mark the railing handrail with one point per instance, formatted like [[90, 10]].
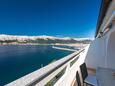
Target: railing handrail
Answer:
[[38, 76], [52, 70]]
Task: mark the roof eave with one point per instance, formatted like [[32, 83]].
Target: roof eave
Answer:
[[103, 9]]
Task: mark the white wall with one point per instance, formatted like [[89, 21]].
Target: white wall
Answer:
[[111, 49], [101, 52], [96, 54]]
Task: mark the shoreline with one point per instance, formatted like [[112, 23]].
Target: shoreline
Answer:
[[71, 44]]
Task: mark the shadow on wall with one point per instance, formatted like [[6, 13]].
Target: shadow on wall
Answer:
[[96, 54], [111, 51]]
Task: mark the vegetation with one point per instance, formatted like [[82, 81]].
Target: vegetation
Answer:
[[53, 61]]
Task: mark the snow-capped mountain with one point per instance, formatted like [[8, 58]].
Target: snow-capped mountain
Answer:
[[40, 39]]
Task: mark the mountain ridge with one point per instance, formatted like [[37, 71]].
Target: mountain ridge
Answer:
[[41, 39]]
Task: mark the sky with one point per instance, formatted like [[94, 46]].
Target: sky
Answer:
[[70, 18]]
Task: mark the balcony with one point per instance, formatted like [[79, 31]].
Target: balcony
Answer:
[[59, 73]]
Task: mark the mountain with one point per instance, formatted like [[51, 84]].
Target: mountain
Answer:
[[41, 39]]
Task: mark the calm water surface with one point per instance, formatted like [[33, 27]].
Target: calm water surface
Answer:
[[19, 60]]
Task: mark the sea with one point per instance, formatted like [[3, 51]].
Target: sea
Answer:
[[19, 60]]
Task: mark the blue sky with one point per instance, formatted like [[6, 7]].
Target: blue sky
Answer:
[[74, 18]]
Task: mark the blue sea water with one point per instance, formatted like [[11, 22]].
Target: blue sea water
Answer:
[[19, 60]]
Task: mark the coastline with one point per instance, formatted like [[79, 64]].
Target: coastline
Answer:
[[58, 44]]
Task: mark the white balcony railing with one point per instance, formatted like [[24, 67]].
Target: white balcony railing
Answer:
[[42, 76]]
